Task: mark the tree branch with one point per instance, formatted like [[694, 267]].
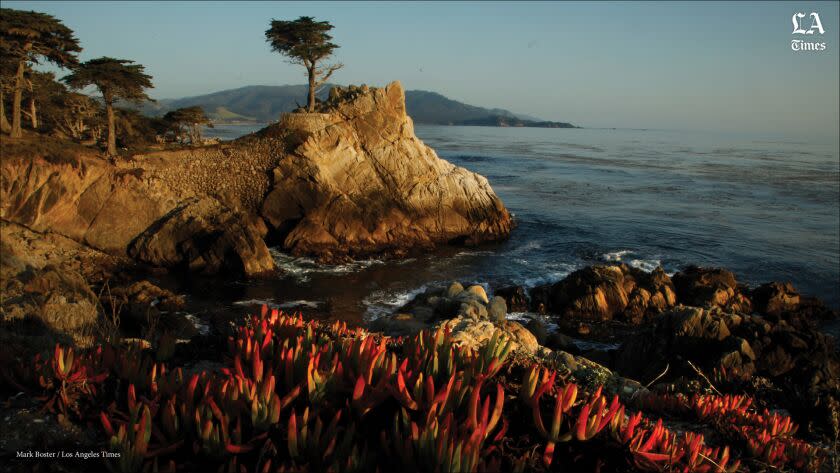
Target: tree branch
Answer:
[[326, 72]]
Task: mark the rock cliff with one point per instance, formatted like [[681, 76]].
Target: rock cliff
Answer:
[[128, 207], [357, 180], [349, 181]]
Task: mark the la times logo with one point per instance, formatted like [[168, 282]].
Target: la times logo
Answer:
[[800, 26]]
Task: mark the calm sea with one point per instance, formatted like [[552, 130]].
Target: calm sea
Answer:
[[764, 207]]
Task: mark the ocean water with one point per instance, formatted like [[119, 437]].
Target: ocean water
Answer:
[[764, 207]]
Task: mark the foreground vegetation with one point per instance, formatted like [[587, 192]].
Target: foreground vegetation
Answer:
[[303, 395]]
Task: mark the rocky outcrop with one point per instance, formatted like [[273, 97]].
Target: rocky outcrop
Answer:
[[205, 236], [474, 333], [711, 287], [349, 181], [438, 304], [357, 180], [44, 283], [89, 201], [124, 210], [800, 361], [605, 292], [516, 298]]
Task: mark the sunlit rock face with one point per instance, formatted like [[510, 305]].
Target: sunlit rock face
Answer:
[[357, 180]]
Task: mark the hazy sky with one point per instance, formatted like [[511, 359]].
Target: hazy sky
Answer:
[[709, 66]]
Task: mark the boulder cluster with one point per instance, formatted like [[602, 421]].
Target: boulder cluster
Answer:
[[700, 322], [627, 294], [471, 316]]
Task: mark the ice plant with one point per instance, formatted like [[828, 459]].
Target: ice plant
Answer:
[[304, 395]]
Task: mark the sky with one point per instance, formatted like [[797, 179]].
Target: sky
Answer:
[[707, 65]]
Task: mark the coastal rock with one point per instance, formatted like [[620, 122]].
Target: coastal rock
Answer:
[[88, 200], [204, 236], [497, 309], [516, 298], [801, 361], [56, 305], [591, 375], [710, 287], [473, 334], [606, 292], [357, 180], [118, 208], [349, 181], [775, 298]]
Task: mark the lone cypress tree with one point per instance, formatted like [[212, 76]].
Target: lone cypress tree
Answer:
[[115, 79], [306, 42], [25, 38]]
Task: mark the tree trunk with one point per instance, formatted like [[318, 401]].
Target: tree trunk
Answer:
[[112, 128], [33, 113], [5, 126], [17, 131], [311, 71]]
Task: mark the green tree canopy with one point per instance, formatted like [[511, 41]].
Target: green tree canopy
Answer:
[[306, 42], [189, 118], [26, 37], [115, 79]]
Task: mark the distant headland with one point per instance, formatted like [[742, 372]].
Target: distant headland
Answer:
[[264, 103]]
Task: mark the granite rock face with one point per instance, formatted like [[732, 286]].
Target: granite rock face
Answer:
[[127, 209], [606, 292], [711, 287], [207, 237], [357, 180]]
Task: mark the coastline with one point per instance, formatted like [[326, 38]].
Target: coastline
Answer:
[[610, 324]]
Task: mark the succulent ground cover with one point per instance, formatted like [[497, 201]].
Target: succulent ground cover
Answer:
[[297, 395]]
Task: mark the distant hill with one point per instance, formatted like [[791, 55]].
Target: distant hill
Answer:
[[507, 121], [264, 103]]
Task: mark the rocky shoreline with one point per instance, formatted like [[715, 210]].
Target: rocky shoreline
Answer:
[[84, 240]]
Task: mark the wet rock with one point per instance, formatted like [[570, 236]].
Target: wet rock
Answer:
[[515, 297], [710, 287], [560, 341], [538, 328], [606, 292], [497, 309], [775, 298]]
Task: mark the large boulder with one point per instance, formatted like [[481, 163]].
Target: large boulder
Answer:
[[606, 292], [358, 180], [205, 236], [55, 305], [474, 333], [775, 298], [711, 287], [515, 297]]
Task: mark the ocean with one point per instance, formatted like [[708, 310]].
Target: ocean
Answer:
[[765, 207]]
